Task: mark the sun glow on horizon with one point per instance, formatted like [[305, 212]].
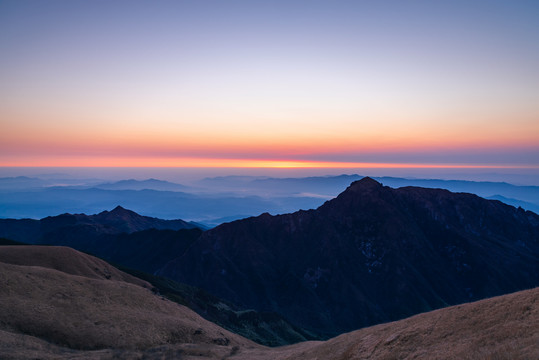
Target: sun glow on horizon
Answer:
[[241, 163], [291, 85]]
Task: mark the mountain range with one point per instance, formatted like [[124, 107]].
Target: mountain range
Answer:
[[113, 235], [327, 187], [81, 226], [373, 254], [212, 201]]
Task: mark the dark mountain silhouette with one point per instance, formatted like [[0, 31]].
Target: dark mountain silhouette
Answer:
[[265, 328], [121, 236], [371, 255], [148, 250], [127, 221], [516, 195], [81, 226]]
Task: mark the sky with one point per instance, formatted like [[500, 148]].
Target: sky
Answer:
[[284, 84]]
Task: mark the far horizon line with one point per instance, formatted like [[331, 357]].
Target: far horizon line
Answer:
[[267, 164]]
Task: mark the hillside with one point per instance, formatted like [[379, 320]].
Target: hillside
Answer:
[[66, 260], [142, 250], [48, 312], [74, 301], [503, 327], [373, 254]]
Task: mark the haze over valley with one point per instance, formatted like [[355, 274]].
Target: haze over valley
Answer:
[[213, 200], [371, 255]]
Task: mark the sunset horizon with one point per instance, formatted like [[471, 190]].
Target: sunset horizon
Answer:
[[248, 163], [255, 179], [287, 84]]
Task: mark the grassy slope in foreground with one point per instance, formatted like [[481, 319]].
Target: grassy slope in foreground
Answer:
[[57, 303], [54, 300], [503, 327]]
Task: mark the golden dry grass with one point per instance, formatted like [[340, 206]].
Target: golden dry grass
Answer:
[[57, 303], [90, 310], [505, 327], [66, 260]]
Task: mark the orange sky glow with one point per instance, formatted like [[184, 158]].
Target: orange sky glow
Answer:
[[237, 163], [310, 84]]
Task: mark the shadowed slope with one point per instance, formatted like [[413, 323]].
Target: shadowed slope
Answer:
[[373, 254], [48, 314], [139, 249], [66, 260], [503, 327], [76, 301]]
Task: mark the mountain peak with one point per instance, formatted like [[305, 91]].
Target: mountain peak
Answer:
[[119, 209], [119, 212], [366, 183]]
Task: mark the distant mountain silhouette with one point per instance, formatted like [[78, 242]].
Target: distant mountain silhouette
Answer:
[[213, 201], [81, 226], [371, 255]]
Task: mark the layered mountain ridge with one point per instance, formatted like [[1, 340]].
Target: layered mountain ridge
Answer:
[[373, 254]]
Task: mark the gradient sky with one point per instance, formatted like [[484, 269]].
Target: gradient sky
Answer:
[[269, 83]]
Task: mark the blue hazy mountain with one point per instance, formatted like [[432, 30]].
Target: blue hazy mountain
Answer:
[[205, 208], [215, 200], [327, 187], [317, 186], [489, 189], [149, 184], [33, 183]]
